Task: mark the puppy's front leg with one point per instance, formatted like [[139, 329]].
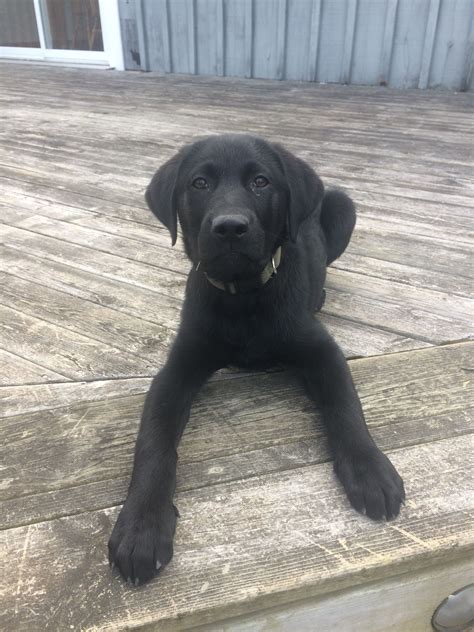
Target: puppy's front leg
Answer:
[[142, 539], [372, 484]]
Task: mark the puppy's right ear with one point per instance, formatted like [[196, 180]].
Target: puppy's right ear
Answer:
[[161, 195]]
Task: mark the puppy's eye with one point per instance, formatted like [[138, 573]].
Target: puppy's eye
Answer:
[[260, 182], [200, 183]]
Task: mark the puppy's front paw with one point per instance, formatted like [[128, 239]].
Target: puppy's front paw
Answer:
[[372, 484], [142, 541]]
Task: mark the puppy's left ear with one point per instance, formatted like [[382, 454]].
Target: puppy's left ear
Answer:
[[306, 189], [161, 195]]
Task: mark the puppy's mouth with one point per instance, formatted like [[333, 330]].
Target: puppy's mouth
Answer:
[[232, 265]]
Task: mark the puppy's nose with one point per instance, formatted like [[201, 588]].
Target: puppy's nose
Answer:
[[229, 226]]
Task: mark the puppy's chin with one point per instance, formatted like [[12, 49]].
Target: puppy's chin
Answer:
[[231, 266]]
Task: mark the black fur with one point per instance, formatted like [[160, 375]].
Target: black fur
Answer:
[[276, 200]]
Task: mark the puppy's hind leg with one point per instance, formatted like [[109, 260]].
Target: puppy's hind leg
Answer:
[[338, 217]]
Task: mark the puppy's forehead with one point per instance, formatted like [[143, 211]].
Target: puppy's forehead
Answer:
[[232, 152]]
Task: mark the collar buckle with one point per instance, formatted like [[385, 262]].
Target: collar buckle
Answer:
[[274, 272]]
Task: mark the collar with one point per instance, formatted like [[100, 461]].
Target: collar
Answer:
[[255, 283]]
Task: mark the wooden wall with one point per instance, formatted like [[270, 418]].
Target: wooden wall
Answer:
[[401, 43]]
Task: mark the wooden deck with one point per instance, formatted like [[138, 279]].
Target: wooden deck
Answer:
[[89, 302]]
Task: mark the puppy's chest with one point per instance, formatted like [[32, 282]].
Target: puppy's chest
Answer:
[[250, 342]]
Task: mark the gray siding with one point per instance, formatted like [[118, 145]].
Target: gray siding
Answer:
[[402, 43]]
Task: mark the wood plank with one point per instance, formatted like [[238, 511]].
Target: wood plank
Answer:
[[170, 286], [380, 223], [90, 177], [259, 424], [17, 211], [404, 317], [17, 370], [71, 354], [330, 122], [403, 249], [152, 254], [37, 195], [139, 302], [358, 339], [147, 341], [171, 133], [440, 303], [21, 399], [206, 92], [414, 276], [453, 109], [407, 602], [97, 85], [253, 545]]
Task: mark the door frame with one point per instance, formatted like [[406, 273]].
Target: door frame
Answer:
[[110, 57]]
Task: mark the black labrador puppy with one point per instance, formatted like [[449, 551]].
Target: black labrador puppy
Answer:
[[259, 230]]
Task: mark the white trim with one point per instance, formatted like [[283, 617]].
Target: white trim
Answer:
[[21, 53], [39, 24], [111, 56], [111, 33], [85, 55], [55, 54]]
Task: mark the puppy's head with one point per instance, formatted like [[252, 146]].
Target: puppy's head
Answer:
[[237, 198]]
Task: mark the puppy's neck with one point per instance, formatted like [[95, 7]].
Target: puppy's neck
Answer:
[[253, 284]]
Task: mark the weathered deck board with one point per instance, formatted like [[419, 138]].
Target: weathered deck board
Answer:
[[129, 334], [245, 546], [22, 371], [90, 295], [260, 424], [73, 355]]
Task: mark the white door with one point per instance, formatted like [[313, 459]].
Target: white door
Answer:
[[64, 31]]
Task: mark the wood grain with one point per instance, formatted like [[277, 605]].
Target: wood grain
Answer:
[[18, 370], [247, 546]]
